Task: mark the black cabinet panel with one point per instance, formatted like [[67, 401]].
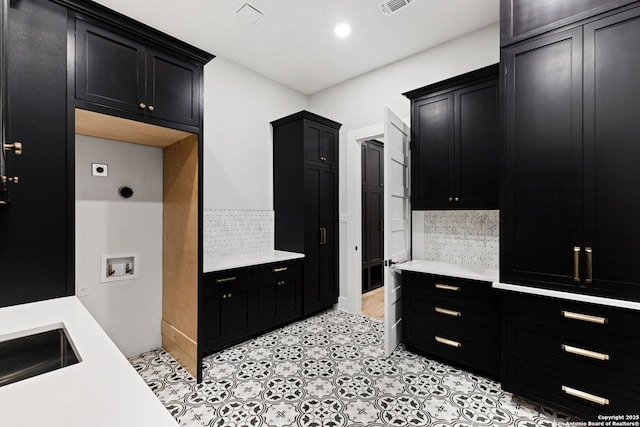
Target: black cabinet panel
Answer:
[[478, 147], [553, 347], [35, 227], [173, 88], [571, 131], [611, 151], [305, 175], [520, 19], [120, 75], [434, 151], [453, 319], [110, 69], [456, 148], [244, 302], [543, 153]]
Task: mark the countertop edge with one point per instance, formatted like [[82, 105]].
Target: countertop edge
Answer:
[[446, 269], [249, 260], [611, 302]]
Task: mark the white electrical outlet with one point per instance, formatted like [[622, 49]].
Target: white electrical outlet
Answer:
[[82, 290], [99, 169]]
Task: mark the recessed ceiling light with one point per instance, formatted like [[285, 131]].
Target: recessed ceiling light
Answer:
[[342, 30]]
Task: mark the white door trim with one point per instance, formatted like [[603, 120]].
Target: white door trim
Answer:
[[352, 301]]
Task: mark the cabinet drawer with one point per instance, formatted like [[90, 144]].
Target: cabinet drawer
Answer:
[[606, 325], [580, 353], [584, 396], [453, 345], [451, 314], [467, 293], [279, 270], [235, 277]]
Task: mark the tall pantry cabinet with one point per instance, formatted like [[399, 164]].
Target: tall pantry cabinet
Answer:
[[569, 204], [305, 188]]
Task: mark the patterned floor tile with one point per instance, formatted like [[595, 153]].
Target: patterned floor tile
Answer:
[[330, 371]]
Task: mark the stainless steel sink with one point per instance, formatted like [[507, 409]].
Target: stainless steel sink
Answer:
[[31, 355]]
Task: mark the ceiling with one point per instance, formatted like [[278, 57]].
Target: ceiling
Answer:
[[294, 43]]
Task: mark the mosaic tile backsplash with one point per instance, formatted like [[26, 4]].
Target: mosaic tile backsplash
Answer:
[[462, 237], [236, 232]]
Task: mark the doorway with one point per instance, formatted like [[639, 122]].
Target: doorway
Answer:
[[372, 228]]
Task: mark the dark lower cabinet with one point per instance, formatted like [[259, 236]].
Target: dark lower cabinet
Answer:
[[279, 294], [455, 320], [244, 302], [578, 357], [36, 253]]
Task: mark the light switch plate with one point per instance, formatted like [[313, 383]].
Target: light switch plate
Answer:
[[99, 169]]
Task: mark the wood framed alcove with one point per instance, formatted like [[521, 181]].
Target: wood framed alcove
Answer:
[[181, 225]]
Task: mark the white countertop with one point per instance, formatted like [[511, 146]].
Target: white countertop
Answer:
[[611, 302], [212, 264], [103, 390], [452, 270]]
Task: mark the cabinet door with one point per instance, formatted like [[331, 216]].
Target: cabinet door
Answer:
[[110, 69], [313, 237], [612, 150], [543, 137], [36, 245], [237, 308], [432, 156], [329, 249], [321, 144], [268, 303], [320, 268], [172, 88], [211, 319], [288, 301], [477, 146]]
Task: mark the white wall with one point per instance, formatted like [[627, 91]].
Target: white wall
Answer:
[[360, 103], [129, 311], [239, 106]]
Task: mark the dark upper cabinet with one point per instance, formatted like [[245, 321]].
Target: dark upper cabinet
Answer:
[[569, 218], [321, 143], [119, 75], [306, 201], [36, 256], [543, 140], [611, 152], [520, 19], [456, 148]]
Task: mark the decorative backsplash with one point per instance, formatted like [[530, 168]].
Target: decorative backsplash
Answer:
[[235, 232], [460, 237]]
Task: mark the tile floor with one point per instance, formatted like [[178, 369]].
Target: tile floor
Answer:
[[330, 371]]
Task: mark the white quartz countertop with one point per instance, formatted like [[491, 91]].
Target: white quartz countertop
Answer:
[[103, 390], [611, 302], [451, 270], [212, 264]]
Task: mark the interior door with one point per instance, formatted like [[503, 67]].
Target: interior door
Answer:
[[397, 214]]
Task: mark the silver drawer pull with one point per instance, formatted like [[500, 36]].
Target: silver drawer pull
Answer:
[[585, 317], [448, 342], [583, 352], [586, 396], [448, 312], [278, 270], [226, 279], [447, 287]]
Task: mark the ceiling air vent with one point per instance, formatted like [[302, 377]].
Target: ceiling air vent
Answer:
[[249, 13], [390, 7]]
